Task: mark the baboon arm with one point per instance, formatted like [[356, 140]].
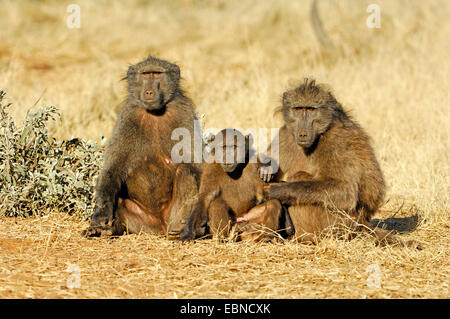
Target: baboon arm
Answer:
[[108, 186], [208, 191], [300, 177], [116, 168], [110, 182], [199, 214], [196, 218], [331, 193]]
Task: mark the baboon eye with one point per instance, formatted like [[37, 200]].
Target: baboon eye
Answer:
[[304, 108], [151, 74]]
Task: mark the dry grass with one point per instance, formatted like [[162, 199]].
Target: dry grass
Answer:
[[37, 252], [237, 57]]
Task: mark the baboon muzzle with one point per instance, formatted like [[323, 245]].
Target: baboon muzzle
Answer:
[[151, 96], [304, 135]]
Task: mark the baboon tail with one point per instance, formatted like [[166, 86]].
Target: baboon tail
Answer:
[[387, 238], [286, 223]]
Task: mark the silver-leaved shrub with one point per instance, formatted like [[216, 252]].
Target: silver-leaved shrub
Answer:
[[39, 174]]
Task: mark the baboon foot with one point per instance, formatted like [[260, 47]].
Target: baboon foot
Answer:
[[97, 231]]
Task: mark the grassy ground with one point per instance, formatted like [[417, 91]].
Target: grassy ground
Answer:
[[237, 57], [36, 254]]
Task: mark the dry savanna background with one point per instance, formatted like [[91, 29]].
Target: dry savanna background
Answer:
[[237, 58]]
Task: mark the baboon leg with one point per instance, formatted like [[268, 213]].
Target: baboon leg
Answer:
[[219, 219], [311, 221], [306, 238], [261, 222], [133, 218], [185, 190]]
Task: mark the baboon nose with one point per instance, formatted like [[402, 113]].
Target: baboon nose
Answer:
[[149, 94], [302, 133]]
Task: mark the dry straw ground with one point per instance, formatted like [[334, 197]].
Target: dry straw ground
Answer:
[[237, 57]]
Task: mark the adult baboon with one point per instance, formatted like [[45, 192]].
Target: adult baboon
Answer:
[[332, 179], [141, 188], [230, 187]]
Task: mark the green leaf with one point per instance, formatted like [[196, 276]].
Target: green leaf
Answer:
[[25, 133]]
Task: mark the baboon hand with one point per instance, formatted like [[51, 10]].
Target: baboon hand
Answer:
[[278, 191], [103, 216], [101, 224], [266, 173], [186, 237]]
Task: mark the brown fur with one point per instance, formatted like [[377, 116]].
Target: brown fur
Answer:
[[140, 187], [332, 178], [229, 192]]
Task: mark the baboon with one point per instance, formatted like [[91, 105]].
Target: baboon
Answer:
[[140, 187], [328, 174], [230, 187]]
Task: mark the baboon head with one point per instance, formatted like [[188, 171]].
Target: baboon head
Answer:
[[230, 149], [308, 111], [152, 83]]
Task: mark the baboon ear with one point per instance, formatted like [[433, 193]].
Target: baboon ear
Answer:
[[175, 70], [130, 72], [131, 69]]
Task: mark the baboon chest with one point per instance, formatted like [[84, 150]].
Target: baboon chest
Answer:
[[151, 183], [296, 166], [244, 193]]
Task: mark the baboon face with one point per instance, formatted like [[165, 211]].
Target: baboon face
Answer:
[[308, 112], [151, 89], [152, 83], [230, 149]]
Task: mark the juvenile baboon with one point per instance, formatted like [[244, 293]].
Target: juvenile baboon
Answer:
[[331, 177], [140, 187], [230, 187]]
